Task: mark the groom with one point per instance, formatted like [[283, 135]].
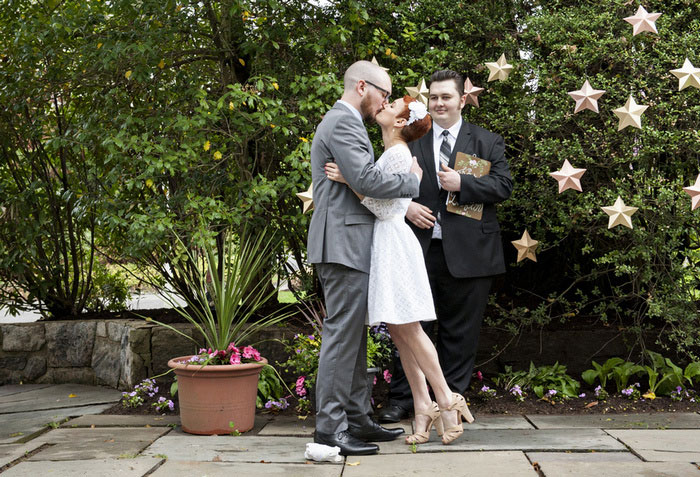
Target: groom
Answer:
[[339, 244]]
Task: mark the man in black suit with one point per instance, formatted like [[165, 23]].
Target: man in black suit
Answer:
[[461, 254]]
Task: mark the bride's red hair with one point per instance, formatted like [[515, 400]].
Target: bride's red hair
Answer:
[[416, 129]]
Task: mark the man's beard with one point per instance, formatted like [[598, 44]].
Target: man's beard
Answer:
[[366, 110]]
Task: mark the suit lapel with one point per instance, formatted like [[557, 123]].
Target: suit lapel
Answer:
[[462, 143], [427, 158]]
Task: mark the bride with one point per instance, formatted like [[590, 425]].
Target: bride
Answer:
[[399, 291]]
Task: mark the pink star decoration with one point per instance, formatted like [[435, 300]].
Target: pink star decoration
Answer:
[[586, 97], [630, 114], [643, 21], [526, 247], [472, 92], [568, 177], [694, 192], [620, 214]]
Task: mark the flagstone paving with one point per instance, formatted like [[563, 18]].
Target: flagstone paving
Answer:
[[97, 443], [181, 468], [93, 468], [473, 464], [661, 444], [672, 445], [658, 420]]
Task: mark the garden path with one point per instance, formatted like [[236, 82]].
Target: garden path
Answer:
[[65, 436]]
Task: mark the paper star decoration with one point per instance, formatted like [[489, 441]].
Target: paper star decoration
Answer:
[[472, 92], [374, 61], [687, 76], [499, 70], [586, 97], [619, 214], [526, 247], [419, 92], [694, 192], [630, 114], [643, 21], [307, 198], [568, 177]]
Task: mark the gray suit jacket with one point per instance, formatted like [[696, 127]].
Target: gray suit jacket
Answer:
[[341, 228]]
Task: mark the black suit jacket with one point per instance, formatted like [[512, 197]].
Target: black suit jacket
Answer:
[[472, 248]]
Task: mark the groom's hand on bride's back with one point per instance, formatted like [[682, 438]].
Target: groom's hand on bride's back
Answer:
[[420, 216], [415, 168]]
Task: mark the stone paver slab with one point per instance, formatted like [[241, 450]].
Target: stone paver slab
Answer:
[[289, 426], [514, 439], [230, 448], [10, 389], [19, 425], [12, 452], [227, 469], [498, 422], [672, 445], [592, 457], [57, 396], [658, 420], [472, 464], [103, 420], [97, 443], [93, 468], [617, 469]]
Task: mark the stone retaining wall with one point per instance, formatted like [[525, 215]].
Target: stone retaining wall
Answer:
[[115, 353], [121, 353]]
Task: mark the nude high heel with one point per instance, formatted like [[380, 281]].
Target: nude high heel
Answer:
[[421, 437], [460, 405]]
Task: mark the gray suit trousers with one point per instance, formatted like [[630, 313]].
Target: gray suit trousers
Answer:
[[342, 396]]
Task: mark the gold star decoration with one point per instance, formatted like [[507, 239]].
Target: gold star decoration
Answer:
[[500, 69], [630, 114], [568, 177], [687, 76], [643, 21], [694, 192], [620, 214], [419, 92], [526, 247], [307, 198], [374, 61], [472, 92], [586, 97]]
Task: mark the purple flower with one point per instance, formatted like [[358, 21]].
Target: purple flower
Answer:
[[552, 393]]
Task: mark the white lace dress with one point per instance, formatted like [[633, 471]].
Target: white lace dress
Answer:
[[399, 291]]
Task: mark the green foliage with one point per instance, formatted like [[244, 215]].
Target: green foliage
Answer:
[[270, 387], [623, 372], [601, 373], [540, 380], [229, 291]]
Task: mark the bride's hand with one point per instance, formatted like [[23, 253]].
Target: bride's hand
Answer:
[[333, 173]]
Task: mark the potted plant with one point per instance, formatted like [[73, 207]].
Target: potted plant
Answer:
[[217, 388]]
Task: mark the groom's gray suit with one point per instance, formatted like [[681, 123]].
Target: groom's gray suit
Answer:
[[339, 244]]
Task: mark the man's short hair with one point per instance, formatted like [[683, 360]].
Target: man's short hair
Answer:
[[445, 75]]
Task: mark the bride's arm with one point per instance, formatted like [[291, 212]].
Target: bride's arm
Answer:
[[334, 174]]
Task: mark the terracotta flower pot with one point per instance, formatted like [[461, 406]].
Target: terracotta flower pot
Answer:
[[213, 396]]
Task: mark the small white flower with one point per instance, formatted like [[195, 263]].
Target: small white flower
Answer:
[[418, 111]]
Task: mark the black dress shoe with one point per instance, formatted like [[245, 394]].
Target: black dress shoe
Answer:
[[392, 413], [373, 432], [348, 444]]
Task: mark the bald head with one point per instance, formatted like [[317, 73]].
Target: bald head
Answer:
[[365, 70]]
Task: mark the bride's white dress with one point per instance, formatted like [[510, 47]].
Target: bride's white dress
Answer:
[[399, 291]]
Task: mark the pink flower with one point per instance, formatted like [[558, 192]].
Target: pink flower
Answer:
[[300, 389], [387, 376], [231, 347], [375, 380], [479, 376], [235, 358], [251, 353]]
